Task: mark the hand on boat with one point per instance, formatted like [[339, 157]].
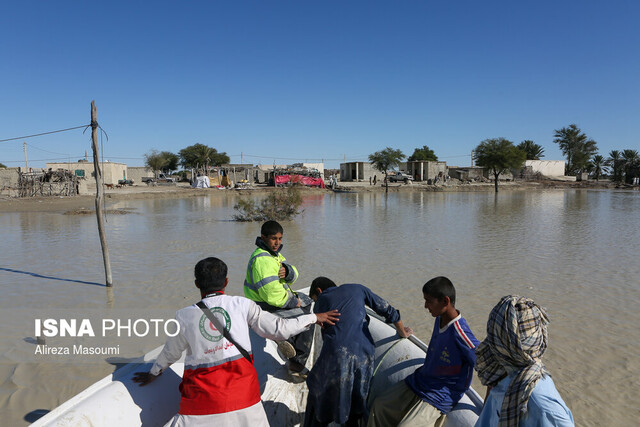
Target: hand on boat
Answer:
[[329, 317], [144, 378], [403, 331], [407, 332]]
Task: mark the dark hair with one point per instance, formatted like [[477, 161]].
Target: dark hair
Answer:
[[440, 287], [321, 283], [210, 274], [270, 228]]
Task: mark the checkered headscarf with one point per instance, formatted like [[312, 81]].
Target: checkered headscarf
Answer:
[[516, 340]]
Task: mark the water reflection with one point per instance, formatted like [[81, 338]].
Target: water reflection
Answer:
[[570, 250]]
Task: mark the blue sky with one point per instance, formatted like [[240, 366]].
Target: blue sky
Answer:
[[310, 80]]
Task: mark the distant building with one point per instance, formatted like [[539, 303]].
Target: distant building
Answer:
[[466, 173], [235, 173], [358, 171], [264, 173], [544, 167], [423, 170], [136, 173], [112, 172]]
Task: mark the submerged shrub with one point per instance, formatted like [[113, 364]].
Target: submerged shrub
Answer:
[[278, 205]]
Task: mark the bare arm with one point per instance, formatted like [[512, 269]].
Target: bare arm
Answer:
[[403, 331]]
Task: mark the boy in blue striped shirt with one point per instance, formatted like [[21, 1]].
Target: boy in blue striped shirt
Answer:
[[425, 396]]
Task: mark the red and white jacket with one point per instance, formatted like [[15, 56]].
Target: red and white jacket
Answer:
[[217, 378]]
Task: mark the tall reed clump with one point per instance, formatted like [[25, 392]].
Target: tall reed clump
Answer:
[[278, 205]]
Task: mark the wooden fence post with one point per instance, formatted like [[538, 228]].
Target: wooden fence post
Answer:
[[99, 194]]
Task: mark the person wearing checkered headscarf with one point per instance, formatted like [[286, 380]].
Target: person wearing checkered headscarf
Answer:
[[509, 362]]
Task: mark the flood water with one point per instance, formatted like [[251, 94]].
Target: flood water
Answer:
[[575, 252]]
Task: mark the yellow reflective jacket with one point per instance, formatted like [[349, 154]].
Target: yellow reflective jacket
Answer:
[[262, 283]]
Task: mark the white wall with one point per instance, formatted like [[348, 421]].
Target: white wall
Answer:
[[546, 167]]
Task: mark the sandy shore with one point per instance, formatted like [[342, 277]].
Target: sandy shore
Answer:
[[65, 203]]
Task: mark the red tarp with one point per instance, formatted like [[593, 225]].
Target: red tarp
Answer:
[[300, 179]]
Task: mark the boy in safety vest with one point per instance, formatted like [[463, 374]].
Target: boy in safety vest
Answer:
[[268, 283]]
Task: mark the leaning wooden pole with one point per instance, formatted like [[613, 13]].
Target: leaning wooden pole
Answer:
[[99, 194]]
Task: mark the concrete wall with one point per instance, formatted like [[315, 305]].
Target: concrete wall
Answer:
[[424, 170], [504, 176], [8, 177], [466, 173], [546, 167], [136, 173], [358, 171], [111, 171]]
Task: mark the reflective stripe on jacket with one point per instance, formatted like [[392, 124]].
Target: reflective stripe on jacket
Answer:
[[262, 283]]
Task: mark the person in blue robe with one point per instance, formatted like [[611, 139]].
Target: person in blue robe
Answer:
[[339, 381]]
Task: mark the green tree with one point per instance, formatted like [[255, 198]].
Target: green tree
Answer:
[[199, 156], [172, 161], [615, 162], [598, 166], [631, 159], [161, 161], [498, 155], [424, 153], [533, 150], [577, 148], [2, 166], [384, 160], [154, 161]]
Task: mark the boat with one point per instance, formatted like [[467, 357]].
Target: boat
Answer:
[[117, 400]]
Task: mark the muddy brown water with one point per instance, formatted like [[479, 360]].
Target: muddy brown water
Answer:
[[576, 252]]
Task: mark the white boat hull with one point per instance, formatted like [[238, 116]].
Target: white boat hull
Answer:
[[117, 401]]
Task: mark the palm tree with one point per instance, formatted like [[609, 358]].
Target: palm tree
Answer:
[[576, 147], [631, 159], [615, 162], [598, 164], [384, 160], [533, 150]]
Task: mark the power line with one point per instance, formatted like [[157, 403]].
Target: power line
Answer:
[[64, 160], [44, 133], [46, 151], [295, 158]]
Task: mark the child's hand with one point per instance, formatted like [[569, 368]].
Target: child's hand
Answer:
[[406, 332]]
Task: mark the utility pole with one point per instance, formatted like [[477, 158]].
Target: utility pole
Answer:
[[99, 195], [26, 163]]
